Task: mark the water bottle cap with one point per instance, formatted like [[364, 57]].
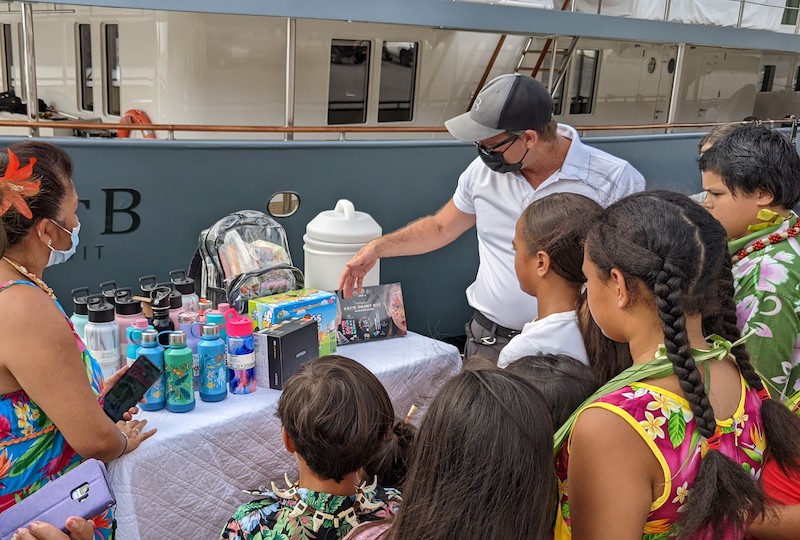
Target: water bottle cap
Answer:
[[159, 297], [222, 307], [100, 311], [125, 304], [149, 336], [184, 284], [108, 288], [79, 300], [187, 317], [203, 305], [177, 339], [140, 324], [148, 283], [238, 325], [210, 331], [175, 300]]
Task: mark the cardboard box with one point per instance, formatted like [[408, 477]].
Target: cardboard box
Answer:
[[377, 313], [300, 304], [282, 348]]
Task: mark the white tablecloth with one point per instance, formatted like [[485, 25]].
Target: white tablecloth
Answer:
[[186, 481]]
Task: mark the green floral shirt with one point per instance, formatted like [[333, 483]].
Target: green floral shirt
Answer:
[[768, 301], [270, 518]]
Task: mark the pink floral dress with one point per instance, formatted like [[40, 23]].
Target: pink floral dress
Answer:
[[666, 423]]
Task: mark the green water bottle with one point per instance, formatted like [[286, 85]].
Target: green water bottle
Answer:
[[179, 374]]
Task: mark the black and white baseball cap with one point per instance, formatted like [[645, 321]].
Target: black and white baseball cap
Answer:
[[510, 102]]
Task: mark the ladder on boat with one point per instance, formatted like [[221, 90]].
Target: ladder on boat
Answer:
[[551, 65]]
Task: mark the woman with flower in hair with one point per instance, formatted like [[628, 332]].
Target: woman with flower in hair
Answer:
[[673, 445], [50, 386]]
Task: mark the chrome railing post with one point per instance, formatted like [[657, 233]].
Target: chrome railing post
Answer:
[[741, 13], [288, 119], [29, 65], [666, 10]]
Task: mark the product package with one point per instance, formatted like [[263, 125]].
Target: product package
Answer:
[[299, 304], [282, 348], [377, 313]]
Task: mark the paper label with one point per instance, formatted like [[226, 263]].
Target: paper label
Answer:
[[241, 361], [106, 356]]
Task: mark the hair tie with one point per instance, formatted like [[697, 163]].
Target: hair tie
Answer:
[[764, 394], [16, 184], [715, 441], [411, 412]]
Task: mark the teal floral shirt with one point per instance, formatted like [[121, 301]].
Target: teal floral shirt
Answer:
[[272, 518], [767, 285]]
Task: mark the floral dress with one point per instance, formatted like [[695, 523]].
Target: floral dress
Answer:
[[666, 423], [767, 283], [277, 517], [32, 450]]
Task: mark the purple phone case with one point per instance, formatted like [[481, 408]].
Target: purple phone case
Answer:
[[54, 503]]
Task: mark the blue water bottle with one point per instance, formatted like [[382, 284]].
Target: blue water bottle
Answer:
[[241, 353], [80, 315], [155, 398], [213, 371]]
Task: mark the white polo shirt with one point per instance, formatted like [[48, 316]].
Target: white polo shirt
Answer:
[[497, 200]]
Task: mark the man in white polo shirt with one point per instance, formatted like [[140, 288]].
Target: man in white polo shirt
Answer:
[[523, 155]]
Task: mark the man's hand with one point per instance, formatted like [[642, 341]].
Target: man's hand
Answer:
[[358, 267]]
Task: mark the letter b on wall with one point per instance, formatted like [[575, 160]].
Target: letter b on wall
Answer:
[[118, 203]]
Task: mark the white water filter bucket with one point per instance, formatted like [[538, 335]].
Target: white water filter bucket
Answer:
[[331, 240]]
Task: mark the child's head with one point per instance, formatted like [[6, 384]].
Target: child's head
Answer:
[[486, 438], [564, 381], [660, 251], [337, 415], [751, 169], [717, 134], [548, 240], [390, 463]]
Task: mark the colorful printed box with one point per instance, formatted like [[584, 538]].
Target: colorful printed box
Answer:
[[303, 303]]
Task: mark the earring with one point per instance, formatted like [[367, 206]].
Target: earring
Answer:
[[50, 242]]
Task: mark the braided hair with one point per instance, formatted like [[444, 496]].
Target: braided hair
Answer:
[[678, 251]]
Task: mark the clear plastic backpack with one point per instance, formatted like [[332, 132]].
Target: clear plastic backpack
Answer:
[[242, 256]]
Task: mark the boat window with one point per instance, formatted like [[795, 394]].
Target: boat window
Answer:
[[8, 60], [112, 72], [85, 89], [797, 80], [767, 78], [398, 72], [790, 12], [584, 75], [349, 77], [283, 204]]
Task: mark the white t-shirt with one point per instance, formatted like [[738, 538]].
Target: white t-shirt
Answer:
[[497, 200], [558, 333]]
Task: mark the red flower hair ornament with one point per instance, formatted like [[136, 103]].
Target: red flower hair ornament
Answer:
[[16, 184]]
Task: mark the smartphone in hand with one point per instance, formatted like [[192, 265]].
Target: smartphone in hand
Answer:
[[130, 388]]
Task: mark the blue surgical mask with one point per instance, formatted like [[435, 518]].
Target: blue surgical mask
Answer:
[[58, 256]]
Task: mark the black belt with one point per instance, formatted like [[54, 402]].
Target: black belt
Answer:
[[492, 326]]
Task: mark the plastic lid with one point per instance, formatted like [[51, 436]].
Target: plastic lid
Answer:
[[187, 317], [159, 297], [140, 324], [124, 302], [182, 282], [79, 300], [175, 300], [148, 283], [149, 337], [222, 307], [177, 339], [100, 311], [238, 325], [210, 331], [343, 225], [108, 288], [203, 305]]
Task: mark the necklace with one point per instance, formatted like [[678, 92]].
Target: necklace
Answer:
[[33, 277], [762, 243]]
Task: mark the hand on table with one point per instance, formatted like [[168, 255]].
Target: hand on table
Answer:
[[355, 270], [134, 432], [114, 379], [79, 529]]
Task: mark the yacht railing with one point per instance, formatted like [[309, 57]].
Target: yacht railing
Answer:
[[341, 131]]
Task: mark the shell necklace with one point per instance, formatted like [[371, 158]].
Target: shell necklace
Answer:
[[30, 275]]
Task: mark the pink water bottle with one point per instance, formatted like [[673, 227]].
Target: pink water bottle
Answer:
[[241, 353]]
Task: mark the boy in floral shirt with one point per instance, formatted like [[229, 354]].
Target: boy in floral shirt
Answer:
[[752, 182]]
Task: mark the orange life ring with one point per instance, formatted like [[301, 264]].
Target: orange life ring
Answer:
[[135, 116]]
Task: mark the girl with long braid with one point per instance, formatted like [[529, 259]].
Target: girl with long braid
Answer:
[[673, 445]]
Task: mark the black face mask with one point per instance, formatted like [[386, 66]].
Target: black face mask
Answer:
[[496, 161]]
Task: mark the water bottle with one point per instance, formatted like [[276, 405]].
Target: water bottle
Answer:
[[127, 311], [203, 307], [102, 334], [241, 353], [185, 286], [107, 289], [213, 373], [187, 323], [80, 313], [159, 301], [175, 302], [178, 369], [147, 284], [154, 399], [217, 316], [133, 335]]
